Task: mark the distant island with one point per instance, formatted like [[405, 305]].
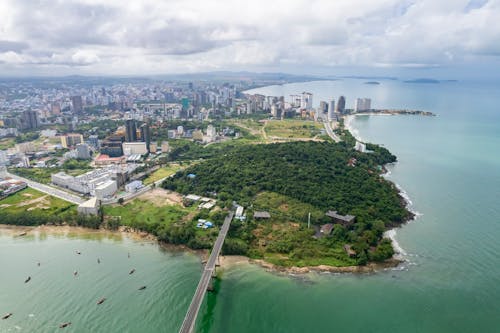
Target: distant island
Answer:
[[432, 81], [372, 82]]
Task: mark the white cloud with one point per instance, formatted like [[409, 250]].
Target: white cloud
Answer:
[[150, 36]]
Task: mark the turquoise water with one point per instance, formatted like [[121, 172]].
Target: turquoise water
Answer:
[[449, 166]]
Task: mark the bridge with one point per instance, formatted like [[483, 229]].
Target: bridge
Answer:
[[208, 272]]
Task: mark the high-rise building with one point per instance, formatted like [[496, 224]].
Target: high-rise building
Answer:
[[112, 146], [331, 110], [30, 120], [323, 107], [306, 101], [340, 105], [71, 140], [93, 141], [77, 104], [146, 135], [130, 130], [362, 104], [82, 151]]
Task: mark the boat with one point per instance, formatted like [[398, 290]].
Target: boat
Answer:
[[24, 233], [7, 316], [78, 252], [28, 279], [101, 300], [63, 325], [132, 271], [142, 288]]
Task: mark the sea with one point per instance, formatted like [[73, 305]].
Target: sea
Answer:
[[448, 169]]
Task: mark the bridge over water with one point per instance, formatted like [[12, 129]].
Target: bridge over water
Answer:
[[208, 273]]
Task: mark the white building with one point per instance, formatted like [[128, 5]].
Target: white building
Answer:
[[89, 207], [211, 132], [307, 101], [131, 148], [134, 186], [331, 110], [362, 104], [106, 189], [82, 151]]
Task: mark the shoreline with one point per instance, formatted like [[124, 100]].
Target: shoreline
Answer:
[[399, 252], [226, 261]]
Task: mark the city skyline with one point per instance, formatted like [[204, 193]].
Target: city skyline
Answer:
[[408, 38]]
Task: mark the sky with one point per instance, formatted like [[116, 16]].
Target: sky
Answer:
[[331, 37]]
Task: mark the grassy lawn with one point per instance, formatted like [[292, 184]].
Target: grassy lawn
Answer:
[[162, 173], [7, 143], [285, 240], [292, 129], [32, 200], [41, 175], [142, 212]]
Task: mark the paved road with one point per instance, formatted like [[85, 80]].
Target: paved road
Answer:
[[49, 189], [194, 307], [329, 131]]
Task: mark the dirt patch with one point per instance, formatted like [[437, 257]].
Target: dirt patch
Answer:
[[161, 197], [4, 205], [283, 207], [38, 201], [27, 194]]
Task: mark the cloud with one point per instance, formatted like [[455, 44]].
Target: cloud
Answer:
[[116, 37], [6, 46]]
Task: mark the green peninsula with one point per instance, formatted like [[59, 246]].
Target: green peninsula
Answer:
[[291, 180]]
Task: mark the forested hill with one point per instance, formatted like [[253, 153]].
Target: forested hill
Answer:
[[322, 174]]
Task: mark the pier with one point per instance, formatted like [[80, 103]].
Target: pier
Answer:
[[208, 272]]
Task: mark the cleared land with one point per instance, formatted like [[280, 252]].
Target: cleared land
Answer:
[[32, 200], [162, 173]]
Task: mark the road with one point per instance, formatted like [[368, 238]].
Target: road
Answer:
[[48, 189], [329, 131], [190, 319]]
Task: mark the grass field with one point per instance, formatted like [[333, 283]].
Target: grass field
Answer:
[[7, 143], [292, 129], [162, 173], [32, 200], [142, 212]]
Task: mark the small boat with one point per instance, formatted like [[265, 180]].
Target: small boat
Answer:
[[75, 273], [142, 288], [101, 300], [24, 233], [78, 252], [38, 263], [132, 271], [98, 260], [128, 254], [63, 325], [28, 279], [7, 316]]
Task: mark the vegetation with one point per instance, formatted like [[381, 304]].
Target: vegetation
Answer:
[[30, 207], [292, 179], [161, 173]]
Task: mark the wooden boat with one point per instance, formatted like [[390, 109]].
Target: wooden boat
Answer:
[[142, 288], [7, 316], [101, 300], [63, 325]]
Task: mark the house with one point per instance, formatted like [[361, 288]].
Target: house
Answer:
[[89, 207], [261, 215], [350, 252], [345, 220], [326, 229]]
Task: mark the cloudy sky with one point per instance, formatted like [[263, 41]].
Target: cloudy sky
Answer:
[[119, 37]]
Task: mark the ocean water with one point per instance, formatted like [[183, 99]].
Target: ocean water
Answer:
[[449, 167]]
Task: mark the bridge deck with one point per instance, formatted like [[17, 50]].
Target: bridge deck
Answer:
[[194, 307]]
